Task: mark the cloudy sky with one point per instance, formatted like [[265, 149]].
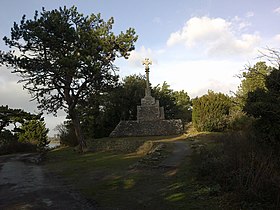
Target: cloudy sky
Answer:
[[195, 45]]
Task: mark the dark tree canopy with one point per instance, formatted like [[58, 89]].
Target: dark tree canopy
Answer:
[[253, 78], [177, 104], [264, 105], [100, 117], [62, 56], [14, 116], [260, 96], [21, 131]]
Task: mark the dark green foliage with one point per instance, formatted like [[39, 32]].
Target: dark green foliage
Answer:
[[8, 142], [246, 171], [132, 92], [34, 132], [253, 78], [239, 120], [64, 56], [13, 116], [264, 105], [100, 117], [22, 127], [166, 99], [177, 104], [183, 106], [211, 111]]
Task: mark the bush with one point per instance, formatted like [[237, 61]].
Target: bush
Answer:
[[239, 121], [210, 112], [67, 134], [34, 132], [247, 171], [9, 144]]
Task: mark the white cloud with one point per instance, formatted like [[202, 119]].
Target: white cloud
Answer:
[[250, 14], [239, 23], [197, 77], [277, 10], [137, 56], [243, 25], [199, 29], [216, 35], [244, 45], [276, 38]]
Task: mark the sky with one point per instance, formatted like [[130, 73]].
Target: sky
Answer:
[[195, 46]]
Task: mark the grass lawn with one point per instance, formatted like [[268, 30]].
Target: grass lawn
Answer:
[[128, 178]]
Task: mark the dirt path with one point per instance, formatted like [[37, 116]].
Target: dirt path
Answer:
[[180, 151], [25, 185]]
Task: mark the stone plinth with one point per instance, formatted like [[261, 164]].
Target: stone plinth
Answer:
[[149, 110], [148, 128], [150, 117], [150, 122]]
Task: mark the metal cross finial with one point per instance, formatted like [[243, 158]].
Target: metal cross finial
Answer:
[[147, 62]]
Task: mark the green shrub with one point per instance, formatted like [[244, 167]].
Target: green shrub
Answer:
[[9, 144], [211, 111], [34, 132], [239, 121]]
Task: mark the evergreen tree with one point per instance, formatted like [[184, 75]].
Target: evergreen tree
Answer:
[[16, 131], [253, 78], [63, 56], [264, 106], [34, 132], [183, 106], [166, 98], [210, 112]]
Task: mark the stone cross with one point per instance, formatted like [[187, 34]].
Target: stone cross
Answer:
[[147, 62]]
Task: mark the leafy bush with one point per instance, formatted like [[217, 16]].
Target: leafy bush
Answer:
[[211, 111], [239, 121]]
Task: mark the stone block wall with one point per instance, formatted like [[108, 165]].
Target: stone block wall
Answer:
[[149, 113], [150, 121], [149, 110], [148, 128]]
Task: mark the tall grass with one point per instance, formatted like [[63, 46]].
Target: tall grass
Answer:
[[247, 171]]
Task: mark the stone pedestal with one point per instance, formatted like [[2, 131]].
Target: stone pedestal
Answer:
[[150, 117], [150, 122], [149, 110]]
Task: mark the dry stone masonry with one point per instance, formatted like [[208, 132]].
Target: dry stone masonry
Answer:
[[150, 117]]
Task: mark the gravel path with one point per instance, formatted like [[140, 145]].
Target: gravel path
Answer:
[[180, 151], [25, 185]]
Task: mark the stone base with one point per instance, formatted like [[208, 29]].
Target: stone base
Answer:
[[148, 128], [150, 110]]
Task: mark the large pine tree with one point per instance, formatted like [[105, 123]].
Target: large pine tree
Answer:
[[63, 56]]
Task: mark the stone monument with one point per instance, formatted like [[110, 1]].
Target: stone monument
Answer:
[[150, 117], [149, 109]]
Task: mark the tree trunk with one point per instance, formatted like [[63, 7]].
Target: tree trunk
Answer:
[[78, 130]]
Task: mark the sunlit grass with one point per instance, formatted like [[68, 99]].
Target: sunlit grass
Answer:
[[106, 176], [176, 197]]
